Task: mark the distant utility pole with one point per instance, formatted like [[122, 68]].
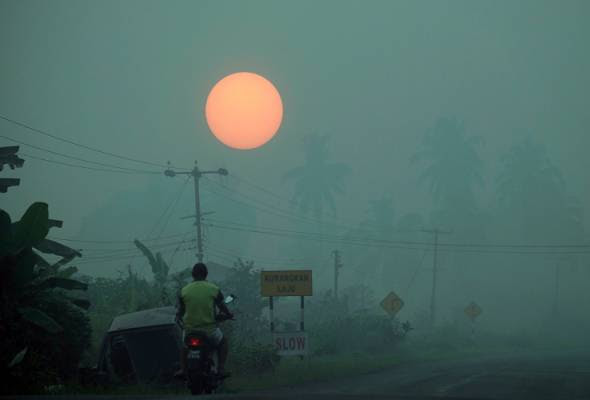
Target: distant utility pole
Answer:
[[435, 232], [556, 291], [337, 266], [196, 173]]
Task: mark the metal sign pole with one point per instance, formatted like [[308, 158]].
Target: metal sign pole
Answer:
[[302, 323], [272, 319]]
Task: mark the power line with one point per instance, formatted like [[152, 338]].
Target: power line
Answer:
[[237, 254], [171, 262], [84, 167], [385, 244], [118, 241], [270, 209], [400, 242], [130, 252], [233, 258], [127, 249], [123, 257], [107, 153], [170, 207], [260, 188], [78, 158]]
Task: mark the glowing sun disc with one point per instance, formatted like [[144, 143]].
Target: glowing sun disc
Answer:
[[244, 110]]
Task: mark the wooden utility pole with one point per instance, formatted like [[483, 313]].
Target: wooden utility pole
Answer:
[[337, 266], [556, 291], [196, 174], [435, 232]]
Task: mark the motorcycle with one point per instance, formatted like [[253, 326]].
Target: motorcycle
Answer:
[[201, 362]]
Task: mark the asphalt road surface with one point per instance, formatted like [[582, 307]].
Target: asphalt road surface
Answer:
[[540, 376], [550, 376]]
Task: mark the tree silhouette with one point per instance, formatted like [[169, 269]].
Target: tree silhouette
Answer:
[[317, 180], [454, 166], [533, 190]]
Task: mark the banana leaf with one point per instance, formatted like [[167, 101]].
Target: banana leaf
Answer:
[[41, 262], [82, 303], [18, 358], [148, 254], [159, 266], [68, 272], [32, 227], [24, 271], [5, 233], [50, 247], [62, 283], [40, 319]]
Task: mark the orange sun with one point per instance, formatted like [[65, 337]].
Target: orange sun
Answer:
[[244, 110]]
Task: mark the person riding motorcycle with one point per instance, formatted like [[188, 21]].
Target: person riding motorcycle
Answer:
[[196, 309]]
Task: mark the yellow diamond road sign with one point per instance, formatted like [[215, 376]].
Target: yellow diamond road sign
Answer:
[[473, 310], [392, 303]]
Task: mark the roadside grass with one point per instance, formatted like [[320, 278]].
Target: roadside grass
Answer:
[[293, 371]]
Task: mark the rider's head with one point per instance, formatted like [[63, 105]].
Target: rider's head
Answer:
[[200, 272]]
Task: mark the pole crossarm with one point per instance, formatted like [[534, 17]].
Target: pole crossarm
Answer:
[[196, 174]]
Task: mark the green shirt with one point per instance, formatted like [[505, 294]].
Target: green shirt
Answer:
[[199, 301]]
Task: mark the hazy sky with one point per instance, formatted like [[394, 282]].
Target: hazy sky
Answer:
[[131, 77]]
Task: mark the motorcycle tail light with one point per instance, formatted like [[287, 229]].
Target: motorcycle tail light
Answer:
[[194, 342]]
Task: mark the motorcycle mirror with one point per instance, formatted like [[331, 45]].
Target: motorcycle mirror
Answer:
[[229, 299]]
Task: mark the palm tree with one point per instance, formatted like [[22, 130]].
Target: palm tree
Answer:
[[315, 185], [454, 164], [531, 188], [317, 180], [453, 170]]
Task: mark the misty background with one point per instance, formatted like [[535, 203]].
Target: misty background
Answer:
[[494, 95]]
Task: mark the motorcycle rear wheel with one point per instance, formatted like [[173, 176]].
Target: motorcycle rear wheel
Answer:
[[196, 386]]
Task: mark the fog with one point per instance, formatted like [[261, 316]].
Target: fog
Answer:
[[468, 117]]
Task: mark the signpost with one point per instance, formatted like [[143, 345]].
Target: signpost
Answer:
[[392, 303], [290, 343], [287, 283], [473, 310]]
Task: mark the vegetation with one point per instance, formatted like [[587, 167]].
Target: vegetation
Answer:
[[317, 181], [43, 324]]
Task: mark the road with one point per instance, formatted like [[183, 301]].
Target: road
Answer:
[[540, 376], [551, 376]]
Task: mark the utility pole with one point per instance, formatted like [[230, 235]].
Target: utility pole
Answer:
[[556, 291], [435, 232], [196, 174], [337, 266], [556, 283]]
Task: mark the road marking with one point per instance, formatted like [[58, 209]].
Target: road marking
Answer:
[[445, 389]]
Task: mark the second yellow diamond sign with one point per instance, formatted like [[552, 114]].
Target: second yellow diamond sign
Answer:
[[392, 303]]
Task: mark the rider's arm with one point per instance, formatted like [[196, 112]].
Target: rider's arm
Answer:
[[221, 305], [180, 309]]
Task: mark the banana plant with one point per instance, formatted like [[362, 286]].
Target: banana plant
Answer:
[[159, 266], [160, 269], [27, 281]]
